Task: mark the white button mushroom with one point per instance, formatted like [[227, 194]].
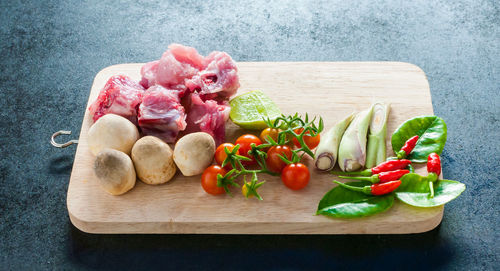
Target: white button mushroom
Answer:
[[194, 152], [115, 171], [114, 132], [153, 160]]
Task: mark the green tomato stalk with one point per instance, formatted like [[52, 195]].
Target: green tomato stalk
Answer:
[[352, 149], [376, 151], [290, 124], [249, 189]]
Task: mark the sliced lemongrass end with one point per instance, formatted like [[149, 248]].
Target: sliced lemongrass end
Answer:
[[376, 150], [379, 117], [352, 165], [325, 161]]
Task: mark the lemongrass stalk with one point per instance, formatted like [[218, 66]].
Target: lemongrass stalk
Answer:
[[376, 151], [327, 150], [352, 149]]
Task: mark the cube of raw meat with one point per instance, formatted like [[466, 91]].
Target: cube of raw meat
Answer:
[[121, 96], [219, 78], [176, 65], [148, 73], [161, 114], [207, 116], [203, 84]]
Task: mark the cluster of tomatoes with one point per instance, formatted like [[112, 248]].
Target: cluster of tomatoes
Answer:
[[294, 175]]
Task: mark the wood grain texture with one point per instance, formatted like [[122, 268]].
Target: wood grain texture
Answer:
[[329, 89]]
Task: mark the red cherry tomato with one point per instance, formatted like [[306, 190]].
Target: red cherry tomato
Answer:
[[295, 176], [245, 142], [209, 180], [311, 141], [274, 162], [220, 154]]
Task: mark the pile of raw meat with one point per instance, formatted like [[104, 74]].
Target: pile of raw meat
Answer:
[[181, 92]]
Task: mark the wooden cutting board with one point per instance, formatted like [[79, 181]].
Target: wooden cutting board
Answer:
[[329, 89]]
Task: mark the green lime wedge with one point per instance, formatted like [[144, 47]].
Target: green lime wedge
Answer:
[[248, 110]]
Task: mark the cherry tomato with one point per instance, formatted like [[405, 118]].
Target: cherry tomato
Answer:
[[244, 191], [274, 162], [209, 180], [245, 142], [272, 132], [311, 141], [220, 154], [295, 176]]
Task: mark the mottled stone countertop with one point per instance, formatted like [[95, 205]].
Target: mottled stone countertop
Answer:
[[51, 51]]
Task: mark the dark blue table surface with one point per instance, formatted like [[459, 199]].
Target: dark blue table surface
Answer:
[[51, 51]]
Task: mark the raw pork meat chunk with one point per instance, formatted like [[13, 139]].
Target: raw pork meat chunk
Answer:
[[203, 84], [175, 65], [218, 79], [161, 114], [121, 96], [207, 116], [148, 73]]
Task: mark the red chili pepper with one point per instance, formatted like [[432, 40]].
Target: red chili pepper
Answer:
[[392, 175], [407, 148], [377, 189], [434, 164], [381, 177], [434, 169], [385, 188], [382, 167], [390, 166]]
